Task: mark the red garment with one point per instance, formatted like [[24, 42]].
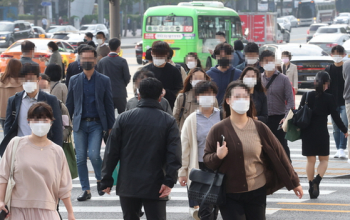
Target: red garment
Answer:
[[60, 21]]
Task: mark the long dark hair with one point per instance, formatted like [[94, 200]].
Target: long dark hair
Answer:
[[258, 87], [195, 55], [187, 83], [13, 70], [227, 109], [322, 77]]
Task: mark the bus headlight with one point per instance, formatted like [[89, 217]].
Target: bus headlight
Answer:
[[314, 18]]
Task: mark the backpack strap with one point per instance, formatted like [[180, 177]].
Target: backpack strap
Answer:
[[54, 86], [183, 107], [271, 81]]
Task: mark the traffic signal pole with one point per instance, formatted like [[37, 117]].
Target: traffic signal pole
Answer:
[[114, 18]]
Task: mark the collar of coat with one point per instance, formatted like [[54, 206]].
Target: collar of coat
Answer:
[[149, 103]]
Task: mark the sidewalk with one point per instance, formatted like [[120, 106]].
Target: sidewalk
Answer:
[[130, 41]]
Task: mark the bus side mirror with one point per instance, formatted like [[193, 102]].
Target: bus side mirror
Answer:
[[246, 32]]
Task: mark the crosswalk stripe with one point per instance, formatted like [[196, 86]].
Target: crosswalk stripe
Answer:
[[329, 185]]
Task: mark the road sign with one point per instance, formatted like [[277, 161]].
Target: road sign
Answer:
[[45, 4]]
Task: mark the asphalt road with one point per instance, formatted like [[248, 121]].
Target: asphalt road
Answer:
[[333, 202]]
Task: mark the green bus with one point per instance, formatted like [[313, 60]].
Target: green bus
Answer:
[[190, 27]]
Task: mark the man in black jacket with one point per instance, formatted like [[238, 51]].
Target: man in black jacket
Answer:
[[16, 123], [146, 142], [74, 68]]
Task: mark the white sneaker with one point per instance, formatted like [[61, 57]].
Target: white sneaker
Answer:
[[194, 213], [342, 155], [336, 155]]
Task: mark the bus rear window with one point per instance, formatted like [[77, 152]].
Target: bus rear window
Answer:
[[306, 10], [169, 24]]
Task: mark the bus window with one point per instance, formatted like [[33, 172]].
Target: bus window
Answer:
[[306, 10], [236, 28], [169, 24], [209, 25]]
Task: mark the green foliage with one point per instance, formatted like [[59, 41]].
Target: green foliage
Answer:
[[87, 19], [28, 17]]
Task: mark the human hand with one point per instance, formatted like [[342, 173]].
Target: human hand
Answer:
[[221, 151], [210, 51], [164, 191], [298, 191], [256, 118], [109, 131], [163, 93], [108, 190], [346, 135], [183, 180], [283, 119], [71, 216], [2, 207]]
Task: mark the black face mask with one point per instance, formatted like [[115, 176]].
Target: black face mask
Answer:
[[87, 65], [224, 62], [85, 40]]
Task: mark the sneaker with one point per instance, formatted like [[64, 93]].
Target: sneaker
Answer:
[[336, 155], [194, 213], [342, 155]]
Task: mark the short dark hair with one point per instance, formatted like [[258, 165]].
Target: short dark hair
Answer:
[[288, 54], [27, 46], [88, 48], [148, 55], [266, 53], [251, 47], [114, 43], [221, 33], [150, 88], [171, 54], [30, 68], [45, 77], [160, 48], [89, 34], [141, 74], [92, 44], [40, 110], [205, 86], [322, 77], [53, 45], [54, 71], [81, 43], [339, 48], [238, 45], [81, 47], [102, 33], [225, 47]]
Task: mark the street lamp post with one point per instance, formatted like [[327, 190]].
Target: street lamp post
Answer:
[[114, 18]]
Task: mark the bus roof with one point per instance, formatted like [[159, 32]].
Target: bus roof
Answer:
[[189, 10]]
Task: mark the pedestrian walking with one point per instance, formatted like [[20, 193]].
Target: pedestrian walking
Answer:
[[244, 156], [251, 53], [336, 88], [16, 123], [178, 66], [117, 69], [90, 106], [60, 21], [88, 39], [10, 84], [44, 23], [192, 61], [147, 171], [193, 137], [41, 172], [220, 38], [74, 68], [251, 77], [279, 96], [134, 101], [167, 74], [223, 73], [102, 48], [315, 138], [290, 70], [238, 57], [27, 48], [186, 102], [346, 75], [55, 57], [148, 58], [58, 89]]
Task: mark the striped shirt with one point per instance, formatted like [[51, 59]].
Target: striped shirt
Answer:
[[279, 95]]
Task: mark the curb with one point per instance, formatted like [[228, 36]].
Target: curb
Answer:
[[129, 46]]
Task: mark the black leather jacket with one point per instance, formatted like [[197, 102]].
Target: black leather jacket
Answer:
[[146, 142]]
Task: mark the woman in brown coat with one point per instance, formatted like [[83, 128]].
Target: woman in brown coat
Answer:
[[251, 157], [10, 84]]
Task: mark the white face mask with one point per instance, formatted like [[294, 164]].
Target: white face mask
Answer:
[[40, 129], [269, 67], [194, 82], [337, 58], [158, 62], [250, 82], [99, 41], [241, 106], [30, 87], [285, 60], [251, 61], [46, 90], [206, 101], [191, 65], [50, 51]]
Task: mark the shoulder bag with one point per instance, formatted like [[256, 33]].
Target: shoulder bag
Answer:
[[70, 156], [302, 118], [11, 182]]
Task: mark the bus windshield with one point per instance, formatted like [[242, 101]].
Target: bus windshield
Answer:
[[306, 10], [169, 24]]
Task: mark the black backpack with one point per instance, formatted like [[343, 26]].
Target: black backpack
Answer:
[[241, 58]]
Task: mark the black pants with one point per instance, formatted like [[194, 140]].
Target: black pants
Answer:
[[154, 209], [273, 123], [120, 104], [245, 206]]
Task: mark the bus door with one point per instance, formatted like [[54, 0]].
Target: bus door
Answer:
[[228, 31]]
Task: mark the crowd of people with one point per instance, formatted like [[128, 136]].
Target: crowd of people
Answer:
[[173, 124]]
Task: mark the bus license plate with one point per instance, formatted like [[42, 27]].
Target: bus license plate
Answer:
[[310, 78]]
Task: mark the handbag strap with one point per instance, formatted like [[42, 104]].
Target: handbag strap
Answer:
[[271, 81], [307, 99], [13, 155], [183, 107], [54, 86], [206, 195]]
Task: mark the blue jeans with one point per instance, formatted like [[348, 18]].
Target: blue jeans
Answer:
[[339, 138], [88, 141]]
